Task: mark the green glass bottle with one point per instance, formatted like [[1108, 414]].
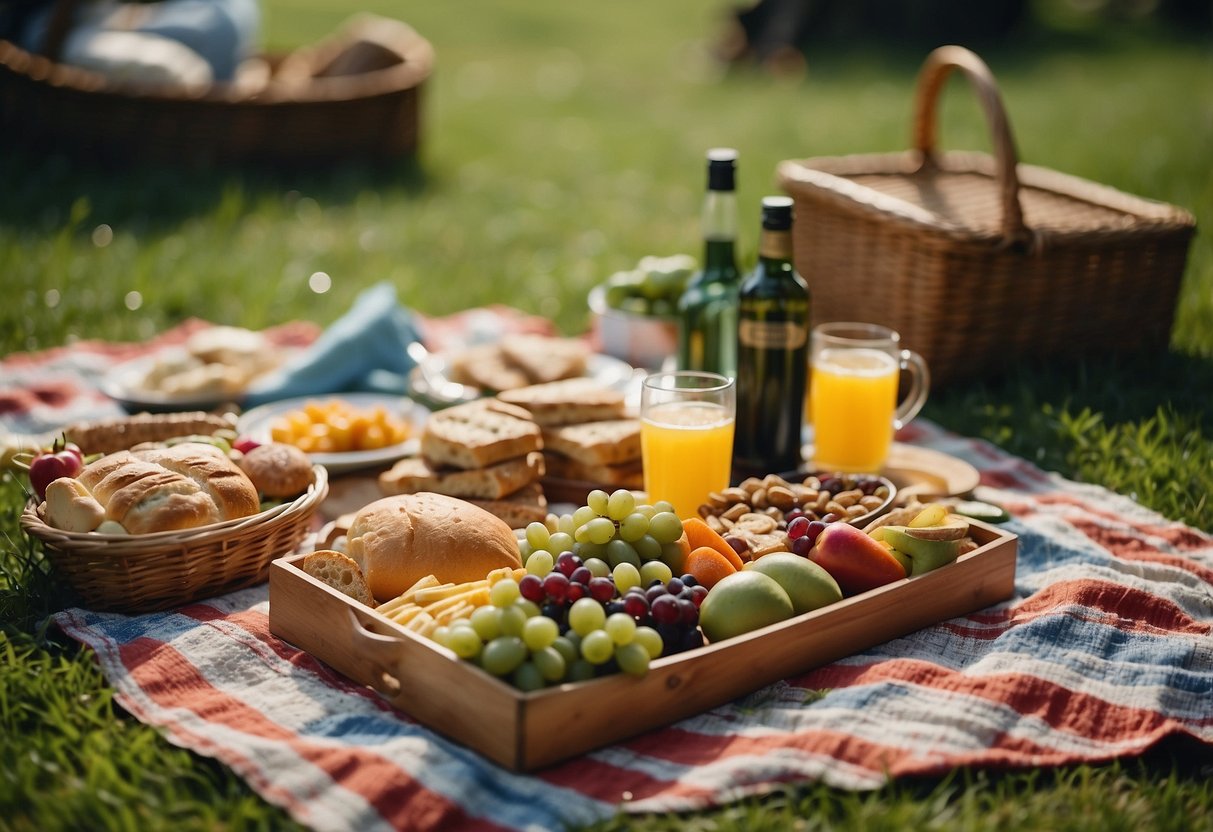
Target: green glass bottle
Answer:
[[707, 331], [772, 353]]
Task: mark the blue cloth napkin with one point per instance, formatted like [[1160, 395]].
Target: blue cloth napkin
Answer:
[[365, 350]]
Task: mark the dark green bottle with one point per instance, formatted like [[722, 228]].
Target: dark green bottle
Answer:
[[707, 332], [772, 352]]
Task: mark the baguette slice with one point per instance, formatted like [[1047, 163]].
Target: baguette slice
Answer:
[[409, 476], [527, 505], [340, 572], [567, 402], [545, 359], [625, 475], [475, 435], [611, 442]]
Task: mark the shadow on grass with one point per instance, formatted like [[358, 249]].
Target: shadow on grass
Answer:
[[40, 189], [1124, 388]]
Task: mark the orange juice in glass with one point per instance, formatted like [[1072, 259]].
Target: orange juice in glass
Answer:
[[686, 437], [854, 370]]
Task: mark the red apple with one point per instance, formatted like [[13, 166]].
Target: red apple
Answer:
[[855, 559]]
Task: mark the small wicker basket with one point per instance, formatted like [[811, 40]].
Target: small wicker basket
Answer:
[[979, 260], [149, 572], [370, 115]]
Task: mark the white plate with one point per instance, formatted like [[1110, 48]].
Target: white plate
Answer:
[[256, 424], [430, 379], [124, 384]]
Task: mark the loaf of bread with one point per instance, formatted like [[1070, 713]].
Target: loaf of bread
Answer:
[[477, 434], [567, 402], [416, 474], [166, 489], [611, 442], [396, 541]]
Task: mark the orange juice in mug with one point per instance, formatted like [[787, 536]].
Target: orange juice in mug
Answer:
[[854, 372], [686, 437]]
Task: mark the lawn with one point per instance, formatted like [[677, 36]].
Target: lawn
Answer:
[[562, 142]]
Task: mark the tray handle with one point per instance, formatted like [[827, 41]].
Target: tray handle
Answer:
[[382, 654], [931, 78]]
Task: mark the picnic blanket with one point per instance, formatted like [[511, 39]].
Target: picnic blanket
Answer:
[[1105, 649]]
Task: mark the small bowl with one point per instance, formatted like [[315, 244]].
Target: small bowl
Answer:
[[641, 340]]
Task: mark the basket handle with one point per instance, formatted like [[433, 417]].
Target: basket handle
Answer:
[[931, 78]]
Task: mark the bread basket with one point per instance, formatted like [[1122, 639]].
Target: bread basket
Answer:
[[149, 572]]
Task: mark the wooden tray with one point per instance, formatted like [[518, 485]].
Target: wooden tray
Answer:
[[527, 731]]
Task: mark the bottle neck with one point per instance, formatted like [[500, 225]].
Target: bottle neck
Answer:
[[719, 231], [775, 245]]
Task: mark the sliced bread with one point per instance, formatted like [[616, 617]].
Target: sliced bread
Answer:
[[527, 505], [486, 367], [415, 474], [625, 475], [567, 402], [340, 572], [596, 443], [475, 435], [543, 358]]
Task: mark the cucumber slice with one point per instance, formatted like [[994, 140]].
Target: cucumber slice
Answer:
[[986, 512]]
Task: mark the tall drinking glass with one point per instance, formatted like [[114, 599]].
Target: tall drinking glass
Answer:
[[686, 436], [854, 370]]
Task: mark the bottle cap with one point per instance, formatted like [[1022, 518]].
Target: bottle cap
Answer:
[[777, 213], [722, 165]]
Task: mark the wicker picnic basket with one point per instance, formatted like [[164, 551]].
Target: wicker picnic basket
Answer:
[[977, 260], [148, 572], [369, 115]]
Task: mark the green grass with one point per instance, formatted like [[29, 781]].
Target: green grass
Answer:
[[562, 142]]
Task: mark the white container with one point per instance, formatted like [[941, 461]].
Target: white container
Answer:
[[645, 341]]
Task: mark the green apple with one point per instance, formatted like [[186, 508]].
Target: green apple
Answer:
[[808, 585], [742, 602]]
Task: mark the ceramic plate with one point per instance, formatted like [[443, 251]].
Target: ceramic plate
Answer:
[[124, 384], [256, 424], [924, 472]]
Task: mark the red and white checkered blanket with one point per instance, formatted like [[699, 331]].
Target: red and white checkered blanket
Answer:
[[1105, 649]]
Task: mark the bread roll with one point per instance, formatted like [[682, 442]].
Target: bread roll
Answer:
[[166, 489], [278, 470], [398, 540]]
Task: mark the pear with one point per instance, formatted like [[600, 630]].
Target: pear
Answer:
[[924, 554], [808, 585]]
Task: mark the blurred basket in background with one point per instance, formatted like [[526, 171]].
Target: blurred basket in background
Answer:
[[977, 260], [356, 95]]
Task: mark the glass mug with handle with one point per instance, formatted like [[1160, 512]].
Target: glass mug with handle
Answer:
[[854, 372], [686, 436]]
